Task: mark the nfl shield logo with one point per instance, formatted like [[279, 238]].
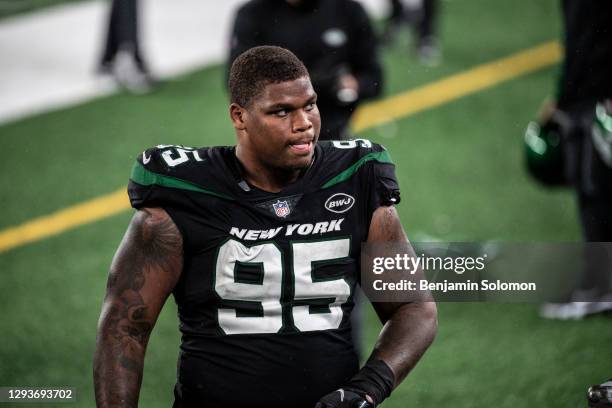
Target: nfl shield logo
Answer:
[[281, 208]]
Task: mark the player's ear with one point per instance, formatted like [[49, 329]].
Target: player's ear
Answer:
[[238, 115]]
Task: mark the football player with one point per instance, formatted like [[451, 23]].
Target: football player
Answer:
[[259, 243]]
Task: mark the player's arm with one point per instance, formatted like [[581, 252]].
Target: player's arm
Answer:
[[143, 273], [409, 329]]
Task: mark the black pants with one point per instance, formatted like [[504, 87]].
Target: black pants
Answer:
[[592, 180], [424, 23], [428, 19], [123, 32]]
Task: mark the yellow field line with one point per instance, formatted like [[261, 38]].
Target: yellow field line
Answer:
[[456, 86], [372, 114], [68, 218]]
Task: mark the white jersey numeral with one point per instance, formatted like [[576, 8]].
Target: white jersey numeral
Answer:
[[304, 255], [171, 160], [269, 257], [268, 290], [351, 144]]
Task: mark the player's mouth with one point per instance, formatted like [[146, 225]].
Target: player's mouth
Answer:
[[301, 147]]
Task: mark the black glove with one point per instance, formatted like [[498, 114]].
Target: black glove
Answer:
[[374, 380], [343, 399]]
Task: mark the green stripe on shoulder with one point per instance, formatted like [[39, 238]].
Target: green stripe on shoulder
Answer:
[[145, 177], [381, 157]]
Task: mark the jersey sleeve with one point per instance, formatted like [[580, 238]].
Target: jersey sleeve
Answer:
[[170, 175], [384, 188], [370, 162], [150, 181], [162, 177]]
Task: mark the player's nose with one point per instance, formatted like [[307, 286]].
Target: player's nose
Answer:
[[301, 121]]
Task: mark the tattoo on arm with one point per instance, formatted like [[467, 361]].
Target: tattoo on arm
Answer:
[[145, 269]]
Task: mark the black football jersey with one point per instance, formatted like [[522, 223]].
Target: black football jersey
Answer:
[[266, 290]]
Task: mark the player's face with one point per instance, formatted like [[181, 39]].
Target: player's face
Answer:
[[283, 124]]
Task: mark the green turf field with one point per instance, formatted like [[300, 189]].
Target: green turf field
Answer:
[[461, 175]]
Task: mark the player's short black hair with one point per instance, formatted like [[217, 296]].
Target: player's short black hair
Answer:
[[259, 66]]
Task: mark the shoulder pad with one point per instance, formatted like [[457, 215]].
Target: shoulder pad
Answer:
[[346, 157], [170, 159], [167, 168], [354, 149]]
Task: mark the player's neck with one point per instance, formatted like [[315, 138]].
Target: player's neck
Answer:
[[264, 177], [271, 181]]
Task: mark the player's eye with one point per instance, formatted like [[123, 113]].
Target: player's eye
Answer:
[[310, 106], [281, 113]]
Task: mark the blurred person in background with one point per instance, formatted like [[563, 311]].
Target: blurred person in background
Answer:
[[422, 16], [584, 93], [122, 56], [334, 39]]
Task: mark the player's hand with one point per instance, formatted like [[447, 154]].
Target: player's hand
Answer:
[[348, 81], [547, 110], [551, 115], [348, 88], [344, 399]]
